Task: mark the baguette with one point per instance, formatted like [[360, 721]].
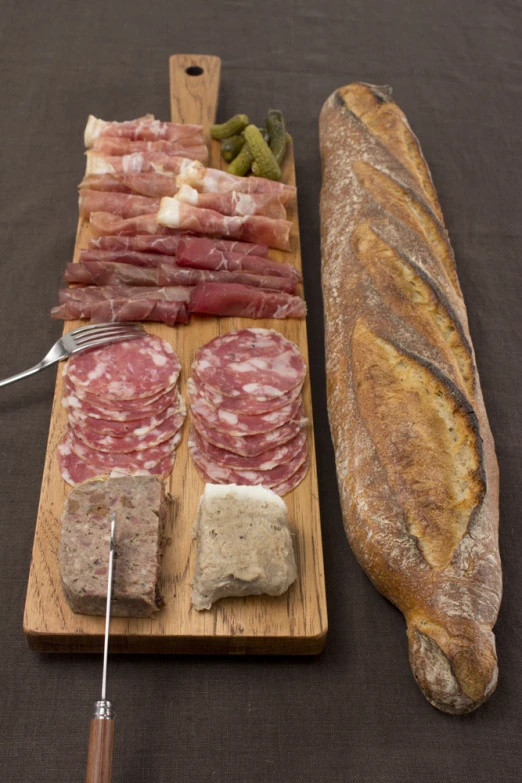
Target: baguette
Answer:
[[415, 457]]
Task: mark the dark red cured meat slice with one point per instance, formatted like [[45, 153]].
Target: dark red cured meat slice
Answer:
[[130, 443], [198, 253], [268, 478], [118, 428], [244, 301], [116, 410], [126, 370], [265, 461], [245, 405], [74, 470], [238, 423], [134, 460], [251, 445], [131, 257], [167, 245], [260, 363], [105, 304]]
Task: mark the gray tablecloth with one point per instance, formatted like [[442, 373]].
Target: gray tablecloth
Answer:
[[353, 713]]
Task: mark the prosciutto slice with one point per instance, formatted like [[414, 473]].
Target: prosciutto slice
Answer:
[[169, 244], [105, 182], [124, 303], [253, 228], [199, 254], [208, 180], [103, 224], [182, 149], [136, 163], [234, 203], [143, 129], [152, 184], [126, 257], [244, 301], [121, 204], [104, 273]]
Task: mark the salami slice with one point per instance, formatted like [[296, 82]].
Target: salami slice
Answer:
[[74, 470], [245, 405], [134, 460], [120, 429], [255, 362], [268, 478], [238, 423], [126, 370], [289, 484], [252, 445], [78, 407], [134, 442], [265, 461]]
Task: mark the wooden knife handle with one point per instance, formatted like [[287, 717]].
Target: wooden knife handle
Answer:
[[99, 760]]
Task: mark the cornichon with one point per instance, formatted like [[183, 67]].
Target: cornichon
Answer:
[[231, 127], [241, 164], [267, 165], [231, 147], [276, 127]]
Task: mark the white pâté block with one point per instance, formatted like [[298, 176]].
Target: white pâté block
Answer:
[[244, 544]]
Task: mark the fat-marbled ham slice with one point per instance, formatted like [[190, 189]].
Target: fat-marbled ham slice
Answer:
[[168, 245], [113, 146], [238, 423], [244, 301], [136, 163], [103, 224], [153, 184], [264, 461], [200, 253], [145, 128], [208, 180], [137, 441], [251, 477], [108, 183], [245, 404], [126, 370], [122, 204], [235, 203], [166, 304], [109, 273], [256, 362], [252, 228]]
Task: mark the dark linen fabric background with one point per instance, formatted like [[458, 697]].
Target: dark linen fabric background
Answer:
[[354, 713]]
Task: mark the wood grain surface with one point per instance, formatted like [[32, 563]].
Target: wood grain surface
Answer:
[[294, 623]]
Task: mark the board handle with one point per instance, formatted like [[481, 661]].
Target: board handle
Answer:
[[194, 89]]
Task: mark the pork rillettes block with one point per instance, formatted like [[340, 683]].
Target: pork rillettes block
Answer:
[[141, 507], [244, 544]]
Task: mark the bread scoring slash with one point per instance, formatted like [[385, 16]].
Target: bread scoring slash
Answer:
[[415, 456]]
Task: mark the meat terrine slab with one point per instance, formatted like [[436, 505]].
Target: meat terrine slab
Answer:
[[294, 623]]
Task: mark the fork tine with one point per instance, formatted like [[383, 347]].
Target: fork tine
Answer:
[[104, 340], [93, 327], [108, 332]]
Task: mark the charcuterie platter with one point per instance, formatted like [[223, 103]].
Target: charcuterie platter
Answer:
[[293, 623]]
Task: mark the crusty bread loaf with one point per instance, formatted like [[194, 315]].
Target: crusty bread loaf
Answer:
[[415, 457]]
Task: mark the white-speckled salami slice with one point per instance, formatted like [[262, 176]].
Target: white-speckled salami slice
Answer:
[[119, 428], [134, 460], [106, 403], [74, 470], [127, 370], [79, 407], [251, 445], [245, 405], [289, 484], [265, 461], [255, 362], [238, 423], [268, 478], [134, 442]]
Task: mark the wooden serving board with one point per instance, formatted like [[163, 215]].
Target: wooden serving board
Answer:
[[294, 623]]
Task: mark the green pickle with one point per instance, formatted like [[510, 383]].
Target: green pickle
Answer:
[[231, 147], [241, 164], [231, 127], [267, 165], [276, 127]]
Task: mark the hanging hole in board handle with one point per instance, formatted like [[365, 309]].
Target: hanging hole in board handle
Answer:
[[194, 70]]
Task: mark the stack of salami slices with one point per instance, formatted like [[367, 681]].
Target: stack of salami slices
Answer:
[[124, 411], [247, 413]]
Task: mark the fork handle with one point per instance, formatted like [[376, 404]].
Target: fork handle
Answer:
[[26, 373]]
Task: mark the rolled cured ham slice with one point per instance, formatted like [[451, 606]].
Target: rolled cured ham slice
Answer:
[[264, 461], [109, 273], [108, 183], [244, 301], [129, 370], [167, 304], [199, 253], [145, 128], [208, 180], [268, 478], [122, 204], [168, 245], [253, 228], [234, 203], [153, 184], [103, 224], [182, 149], [256, 362], [137, 163], [128, 257]]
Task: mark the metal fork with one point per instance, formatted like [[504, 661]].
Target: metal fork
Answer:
[[81, 339]]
